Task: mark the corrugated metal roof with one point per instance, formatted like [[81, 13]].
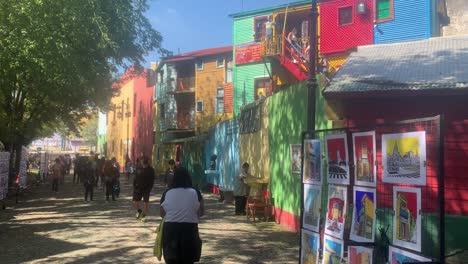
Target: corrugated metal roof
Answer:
[[270, 9], [437, 63]]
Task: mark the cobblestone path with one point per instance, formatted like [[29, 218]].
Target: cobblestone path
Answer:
[[47, 228]]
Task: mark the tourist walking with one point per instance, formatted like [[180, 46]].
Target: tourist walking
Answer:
[[56, 171], [241, 189], [142, 185], [168, 177], [88, 180], [116, 185], [128, 168], [181, 207], [110, 176]]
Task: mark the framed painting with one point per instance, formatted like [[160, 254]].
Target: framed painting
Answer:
[[336, 211], [296, 158], [312, 202], [407, 220], [363, 221], [360, 255], [312, 172], [332, 250], [337, 159], [403, 158], [364, 151], [310, 245], [398, 256]]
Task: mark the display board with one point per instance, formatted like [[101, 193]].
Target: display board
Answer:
[[4, 171]]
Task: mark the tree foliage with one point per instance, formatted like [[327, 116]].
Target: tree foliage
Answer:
[[58, 59]]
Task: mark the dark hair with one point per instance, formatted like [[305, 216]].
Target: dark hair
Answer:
[[182, 178], [171, 162], [57, 160], [145, 160], [245, 165]]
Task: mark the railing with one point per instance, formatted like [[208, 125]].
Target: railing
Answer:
[[279, 45], [186, 119], [185, 84], [272, 46]]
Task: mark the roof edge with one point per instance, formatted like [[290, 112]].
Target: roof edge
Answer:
[[269, 9]]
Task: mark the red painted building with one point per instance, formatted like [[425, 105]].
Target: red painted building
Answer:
[[344, 25]]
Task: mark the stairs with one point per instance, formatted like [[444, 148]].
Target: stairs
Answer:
[[294, 61]]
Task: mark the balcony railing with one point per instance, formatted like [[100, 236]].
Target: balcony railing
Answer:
[[186, 120], [186, 84]]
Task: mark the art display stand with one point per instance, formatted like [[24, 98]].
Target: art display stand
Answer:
[[374, 194]]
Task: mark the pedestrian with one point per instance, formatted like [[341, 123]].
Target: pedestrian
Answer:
[[128, 168], [241, 189], [142, 185], [168, 177], [88, 180], [116, 182], [76, 168], [100, 172], [181, 207], [110, 176], [64, 169], [56, 171]]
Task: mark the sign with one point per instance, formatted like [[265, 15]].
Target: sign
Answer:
[[248, 53], [4, 171]]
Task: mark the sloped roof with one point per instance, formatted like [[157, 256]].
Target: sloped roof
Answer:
[[198, 53], [270, 9], [417, 66]]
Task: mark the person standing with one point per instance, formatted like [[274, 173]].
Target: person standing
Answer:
[[116, 185], [168, 177], [100, 173], [56, 171], [75, 168], [110, 176], [128, 168], [241, 189], [88, 180], [181, 207], [142, 185]]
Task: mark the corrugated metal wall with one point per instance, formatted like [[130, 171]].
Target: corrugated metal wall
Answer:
[[412, 21], [228, 98], [244, 77]]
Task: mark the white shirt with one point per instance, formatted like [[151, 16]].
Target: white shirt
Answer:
[[181, 205]]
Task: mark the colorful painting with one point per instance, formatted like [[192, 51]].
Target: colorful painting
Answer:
[[332, 250], [296, 158], [398, 256], [248, 53], [359, 255], [312, 172], [336, 214], [363, 222], [364, 152], [312, 201], [337, 159], [310, 247], [407, 220], [403, 158]]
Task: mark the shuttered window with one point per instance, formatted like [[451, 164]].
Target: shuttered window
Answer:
[[384, 10]]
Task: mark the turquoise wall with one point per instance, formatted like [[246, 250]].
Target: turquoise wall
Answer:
[[244, 78]]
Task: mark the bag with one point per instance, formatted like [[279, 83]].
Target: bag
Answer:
[[158, 246]]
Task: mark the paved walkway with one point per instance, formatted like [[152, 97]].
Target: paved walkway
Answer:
[[44, 228]]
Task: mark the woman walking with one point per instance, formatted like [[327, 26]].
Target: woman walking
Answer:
[[181, 207], [110, 176]]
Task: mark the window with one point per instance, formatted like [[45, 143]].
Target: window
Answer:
[[200, 65], [345, 15], [384, 10], [199, 106], [260, 28], [219, 63], [229, 71], [262, 88], [220, 101]]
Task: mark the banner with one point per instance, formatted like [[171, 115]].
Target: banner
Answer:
[[4, 171], [248, 53]]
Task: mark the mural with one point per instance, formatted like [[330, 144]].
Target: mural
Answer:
[[364, 152], [337, 159], [403, 158], [336, 214], [312, 201], [407, 220], [359, 255], [363, 222], [332, 250], [312, 161], [296, 158], [398, 256], [310, 247]]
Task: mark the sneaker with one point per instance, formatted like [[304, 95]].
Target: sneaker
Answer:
[[138, 215], [143, 218]]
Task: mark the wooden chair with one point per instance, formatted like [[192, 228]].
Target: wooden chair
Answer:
[[258, 205]]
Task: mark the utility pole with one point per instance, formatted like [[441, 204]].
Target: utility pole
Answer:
[[313, 55]]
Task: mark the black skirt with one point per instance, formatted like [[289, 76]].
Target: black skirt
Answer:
[[181, 243]]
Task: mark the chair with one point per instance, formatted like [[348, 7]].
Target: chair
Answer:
[[258, 205]]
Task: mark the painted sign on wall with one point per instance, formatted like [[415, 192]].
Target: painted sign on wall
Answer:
[[248, 53]]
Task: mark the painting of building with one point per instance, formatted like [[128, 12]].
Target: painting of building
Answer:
[[312, 202], [332, 250], [312, 161], [363, 222], [310, 247], [337, 159], [398, 256], [364, 156], [360, 255], [335, 220], [407, 220]]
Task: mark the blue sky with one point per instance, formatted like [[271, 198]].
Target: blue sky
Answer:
[[191, 25]]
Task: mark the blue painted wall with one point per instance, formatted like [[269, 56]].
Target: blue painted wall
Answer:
[[412, 21], [223, 140]]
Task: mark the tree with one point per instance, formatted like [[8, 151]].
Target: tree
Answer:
[[58, 59], [89, 131]]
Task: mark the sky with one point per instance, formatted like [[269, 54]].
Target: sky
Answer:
[[188, 25]]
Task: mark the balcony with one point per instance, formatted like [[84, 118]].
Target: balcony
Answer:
[[185, 85]]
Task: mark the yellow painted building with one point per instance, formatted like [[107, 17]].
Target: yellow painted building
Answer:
[[119, 126]]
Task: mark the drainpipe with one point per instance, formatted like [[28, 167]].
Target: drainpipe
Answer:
[[312, 80]]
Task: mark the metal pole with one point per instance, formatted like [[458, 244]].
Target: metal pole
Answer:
[[312, 80], [441, 190]]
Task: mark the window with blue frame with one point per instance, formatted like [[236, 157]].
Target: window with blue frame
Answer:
[[384, 10]]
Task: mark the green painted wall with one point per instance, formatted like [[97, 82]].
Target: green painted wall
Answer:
[[287, 120], [243, 30], [244, 79], [193, 158]]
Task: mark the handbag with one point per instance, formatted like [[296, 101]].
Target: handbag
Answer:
[[157, 250]]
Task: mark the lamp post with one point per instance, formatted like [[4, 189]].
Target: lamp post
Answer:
[[313, 55]]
